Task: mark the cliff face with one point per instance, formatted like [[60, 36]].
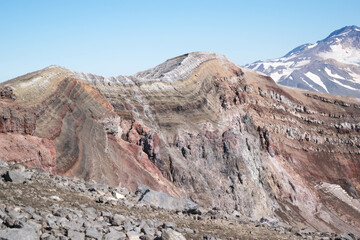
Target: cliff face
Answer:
[[202, 127]]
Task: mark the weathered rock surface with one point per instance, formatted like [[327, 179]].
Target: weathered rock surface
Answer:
[[202, 128]]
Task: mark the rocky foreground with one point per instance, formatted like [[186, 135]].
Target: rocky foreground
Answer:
[[35, 204]]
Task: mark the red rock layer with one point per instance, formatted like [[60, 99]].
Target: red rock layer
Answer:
[[31, 151], [16, 119], [17, 124]]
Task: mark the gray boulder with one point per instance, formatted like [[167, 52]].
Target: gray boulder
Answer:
[[170, 234], [169, 225], [25, 233], [17, 176], [348, 236], [117, 220], [93, 233], [132, 235], [165, 201], [115, 235], [74, 235], [269, 221]]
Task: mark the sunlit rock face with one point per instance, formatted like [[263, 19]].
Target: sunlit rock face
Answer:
[[202, 127]]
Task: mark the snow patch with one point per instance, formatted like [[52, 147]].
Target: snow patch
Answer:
[[343, 85], [302, 63], [343, 55], [342, 34], [355, 77], [310, 85], [316, 79], [280, 68], [276, 76], [312, 46], [334, 75]]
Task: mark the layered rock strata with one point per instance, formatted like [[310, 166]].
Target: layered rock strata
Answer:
[[200, 126]]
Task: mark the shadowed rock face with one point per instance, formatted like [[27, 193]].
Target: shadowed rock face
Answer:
[[200, 126]]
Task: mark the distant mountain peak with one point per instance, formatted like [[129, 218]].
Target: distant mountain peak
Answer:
[[331, 65], [344, 31]]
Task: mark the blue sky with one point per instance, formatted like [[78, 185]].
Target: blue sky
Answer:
[[122, 37]]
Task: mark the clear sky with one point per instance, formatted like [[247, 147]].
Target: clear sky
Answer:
[[122, 37]]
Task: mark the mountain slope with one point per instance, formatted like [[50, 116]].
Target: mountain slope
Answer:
[[331, 65], [200, 126]]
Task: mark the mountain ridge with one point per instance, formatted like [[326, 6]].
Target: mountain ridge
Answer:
[[331, 65], [224, 136]]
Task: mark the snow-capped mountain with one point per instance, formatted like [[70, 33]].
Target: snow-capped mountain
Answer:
[[331, 65]]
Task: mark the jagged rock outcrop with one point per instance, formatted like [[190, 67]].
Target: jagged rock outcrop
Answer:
[[200, 126]]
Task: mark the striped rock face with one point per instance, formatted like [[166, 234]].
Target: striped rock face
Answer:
[[201, 127]]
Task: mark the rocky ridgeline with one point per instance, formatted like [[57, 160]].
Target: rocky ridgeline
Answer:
[[38, 205]]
